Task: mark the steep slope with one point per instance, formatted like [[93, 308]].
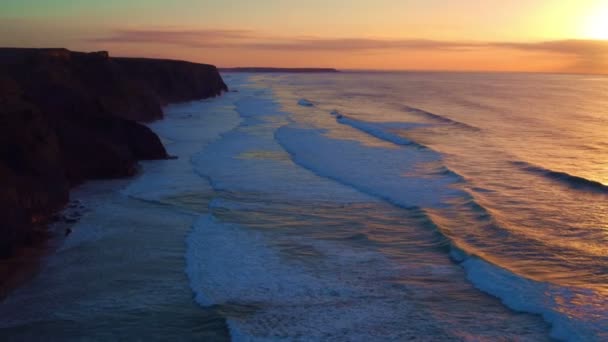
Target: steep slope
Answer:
[[66, 117]]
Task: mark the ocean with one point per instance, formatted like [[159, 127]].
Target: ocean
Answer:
[[347, 207]]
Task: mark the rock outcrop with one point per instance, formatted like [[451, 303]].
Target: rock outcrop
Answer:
[[66, 117]]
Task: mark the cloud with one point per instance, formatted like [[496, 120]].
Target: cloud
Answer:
[[588, 54], [188, 38], [362, 44], [572, 46], [253, 40]]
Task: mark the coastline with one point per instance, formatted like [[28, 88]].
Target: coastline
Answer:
[[145, 215], [127, 253], [22, 266], [145, 286], [72, 117], [27, 261], [245, 273]]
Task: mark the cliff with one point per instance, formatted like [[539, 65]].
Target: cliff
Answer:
[[66, 117]]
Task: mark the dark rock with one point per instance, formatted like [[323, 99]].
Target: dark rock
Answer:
[[173, 81], [66, 117]]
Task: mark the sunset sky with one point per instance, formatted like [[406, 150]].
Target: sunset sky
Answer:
[[514, 35]]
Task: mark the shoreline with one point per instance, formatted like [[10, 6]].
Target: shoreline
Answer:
[[70, 117], [23, 266], [163, 186], [28, 260], [130, 247], [161, 177]]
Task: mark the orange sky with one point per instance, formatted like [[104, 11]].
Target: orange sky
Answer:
[[515, 35]]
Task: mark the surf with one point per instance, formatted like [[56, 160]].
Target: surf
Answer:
[[572, 181]]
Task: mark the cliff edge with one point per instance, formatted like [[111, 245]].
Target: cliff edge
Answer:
[[66, 117]]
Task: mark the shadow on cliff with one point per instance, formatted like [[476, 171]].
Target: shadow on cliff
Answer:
[[66, 117]]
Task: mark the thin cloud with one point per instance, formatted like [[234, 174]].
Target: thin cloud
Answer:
[[589, 55], [188, 38], [363, 44], [572, 46], [253, 40]]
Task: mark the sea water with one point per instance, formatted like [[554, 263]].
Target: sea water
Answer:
[[348, 207]]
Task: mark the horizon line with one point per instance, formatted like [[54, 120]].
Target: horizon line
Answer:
[[455, 71]]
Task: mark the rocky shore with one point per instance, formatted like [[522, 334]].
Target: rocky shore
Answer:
[[67, 117]]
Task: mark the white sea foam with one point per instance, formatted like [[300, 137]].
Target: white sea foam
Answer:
[[267, 296], [126, 256], [554, 303], [381, 130], [249, 159], [188, 127], [374, 170], [241, 271]]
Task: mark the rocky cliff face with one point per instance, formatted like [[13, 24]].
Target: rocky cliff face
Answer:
[[66, 117]]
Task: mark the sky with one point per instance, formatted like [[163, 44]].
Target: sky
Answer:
[[568, 36]]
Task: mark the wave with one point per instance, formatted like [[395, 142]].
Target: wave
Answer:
[[351, 163], [268, 297], [305, 103], [565, 178], [371, 170], [440, 118], [381, 130], [525, 295], [343, 162], [521, 294]]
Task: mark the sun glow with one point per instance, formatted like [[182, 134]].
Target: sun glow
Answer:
[[595, 25]]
